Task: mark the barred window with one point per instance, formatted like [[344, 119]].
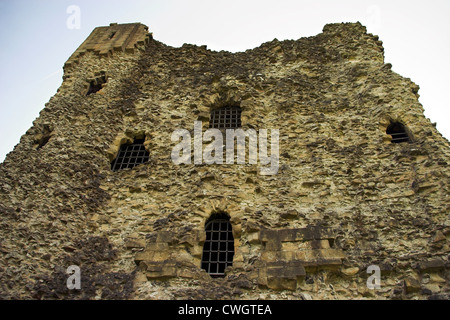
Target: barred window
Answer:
[[225, 118], [130, 155], [218, 250], [398, 133]]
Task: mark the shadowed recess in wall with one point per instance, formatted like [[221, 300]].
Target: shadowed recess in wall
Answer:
[[218, 250], [130, 155]]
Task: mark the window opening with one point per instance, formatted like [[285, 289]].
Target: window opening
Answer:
[[225, 118], [398, 133], [218, 250], [43, 141], [96, 85], [130, 155]]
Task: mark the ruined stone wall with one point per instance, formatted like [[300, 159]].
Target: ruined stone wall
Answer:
[[344, 196]]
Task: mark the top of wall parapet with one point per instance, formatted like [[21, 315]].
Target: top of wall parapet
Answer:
[[115, 37], [126, 37], [344, 26]]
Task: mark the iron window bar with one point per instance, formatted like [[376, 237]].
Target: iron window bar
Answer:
[[398, 133], [218, 250], [130, 155], [225, 118], [399, 137]]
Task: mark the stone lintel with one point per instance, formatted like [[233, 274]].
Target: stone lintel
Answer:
[[303, 234]]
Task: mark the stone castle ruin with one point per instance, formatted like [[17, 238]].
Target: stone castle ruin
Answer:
[[357, 209]]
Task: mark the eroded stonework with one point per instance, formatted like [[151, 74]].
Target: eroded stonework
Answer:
[[344, 197]]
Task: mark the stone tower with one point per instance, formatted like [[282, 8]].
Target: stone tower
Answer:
[[361, 186]]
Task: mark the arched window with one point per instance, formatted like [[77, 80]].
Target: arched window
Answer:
[[398, 132], [225, 118], [218, 250], [130, 155]]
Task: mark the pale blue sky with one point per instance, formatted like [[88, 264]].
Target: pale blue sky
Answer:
[[35, 41]]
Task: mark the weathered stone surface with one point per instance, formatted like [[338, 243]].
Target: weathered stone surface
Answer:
[[344, 197], [350, 271]]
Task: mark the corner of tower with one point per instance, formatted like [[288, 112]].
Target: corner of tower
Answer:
[[105, 40]]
